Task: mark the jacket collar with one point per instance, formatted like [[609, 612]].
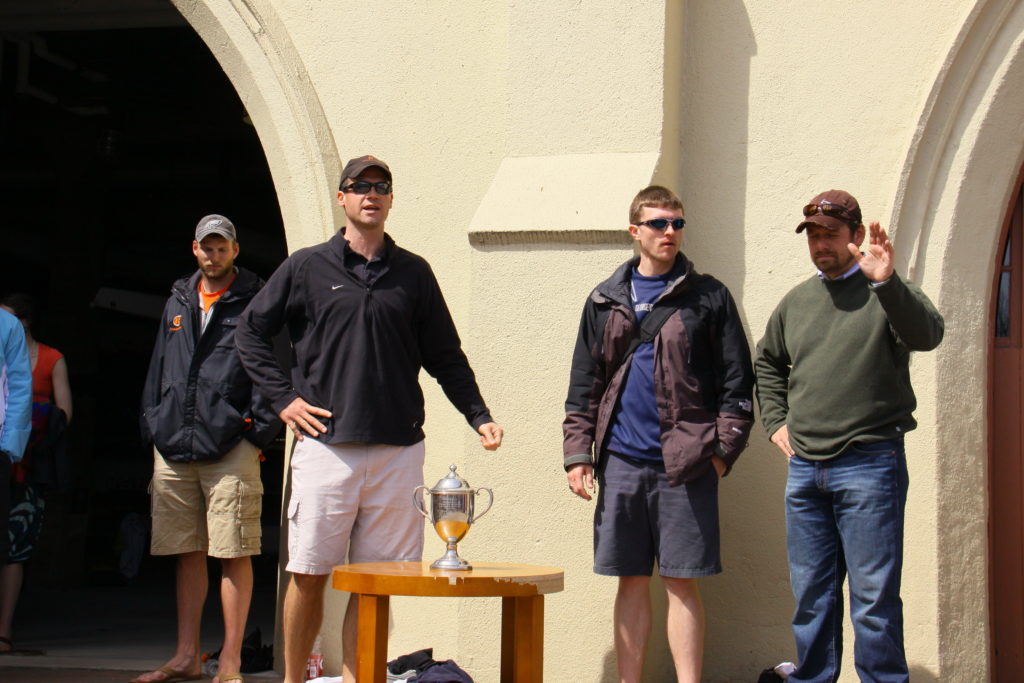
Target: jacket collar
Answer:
[[616, 288], [245, 286], [339, 245]]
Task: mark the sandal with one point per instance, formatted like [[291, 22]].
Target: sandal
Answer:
[[170, 676]]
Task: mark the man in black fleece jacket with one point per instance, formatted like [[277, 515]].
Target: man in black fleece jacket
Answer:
[[364, 316]]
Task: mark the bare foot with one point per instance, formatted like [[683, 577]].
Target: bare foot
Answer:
[[187, 670]]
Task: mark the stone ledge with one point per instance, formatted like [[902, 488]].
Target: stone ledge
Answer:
[[492, 238]]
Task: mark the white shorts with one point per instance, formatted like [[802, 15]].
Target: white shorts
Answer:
[[353, 499]]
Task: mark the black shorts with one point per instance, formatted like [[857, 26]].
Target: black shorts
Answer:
[[640, 519]]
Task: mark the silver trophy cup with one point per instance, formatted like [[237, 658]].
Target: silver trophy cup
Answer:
[[452, 512]]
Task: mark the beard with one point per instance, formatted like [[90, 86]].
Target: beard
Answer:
[[216, 272], [832, 264]]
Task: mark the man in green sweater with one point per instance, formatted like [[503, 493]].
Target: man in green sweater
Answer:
[[833, 384]]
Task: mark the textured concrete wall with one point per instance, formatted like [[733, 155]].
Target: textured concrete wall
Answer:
[[519, 131]]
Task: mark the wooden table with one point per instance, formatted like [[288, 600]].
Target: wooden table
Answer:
[[521, 588]]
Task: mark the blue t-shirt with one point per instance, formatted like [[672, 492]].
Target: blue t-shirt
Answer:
[[636, 427]]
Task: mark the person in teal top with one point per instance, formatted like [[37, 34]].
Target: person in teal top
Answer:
[[833, 385], [15, 410]]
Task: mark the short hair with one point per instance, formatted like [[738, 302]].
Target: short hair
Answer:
[[22, 305], [655, 195]]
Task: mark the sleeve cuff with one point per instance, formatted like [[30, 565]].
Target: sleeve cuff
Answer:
[[284, 402], [578, 459], [729, 461], [482, 420]]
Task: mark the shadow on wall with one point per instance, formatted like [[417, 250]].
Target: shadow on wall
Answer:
[[748, 607], [919, 674], [609, 671]]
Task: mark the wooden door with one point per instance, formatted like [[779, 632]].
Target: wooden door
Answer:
[[1006, 459]]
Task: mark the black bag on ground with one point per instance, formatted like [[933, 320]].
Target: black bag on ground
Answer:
[[443, 672], [416, 661], [256, 656]]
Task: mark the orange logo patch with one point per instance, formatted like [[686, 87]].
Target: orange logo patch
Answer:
[[176, 323]]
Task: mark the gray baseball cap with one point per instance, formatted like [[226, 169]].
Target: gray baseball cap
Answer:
[[215, 224]]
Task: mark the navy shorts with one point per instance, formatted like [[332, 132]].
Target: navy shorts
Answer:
[[640, 519]]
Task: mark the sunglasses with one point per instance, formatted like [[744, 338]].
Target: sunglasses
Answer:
[[662, 223], [827, 208], [363, 187]]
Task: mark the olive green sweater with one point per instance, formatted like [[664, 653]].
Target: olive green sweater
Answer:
[[834, 363]]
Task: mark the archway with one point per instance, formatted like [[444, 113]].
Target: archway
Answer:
[[109, 162], [960, 175]]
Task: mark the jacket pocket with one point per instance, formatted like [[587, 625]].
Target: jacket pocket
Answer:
[[689, 444], [219, 422], [166, 420]]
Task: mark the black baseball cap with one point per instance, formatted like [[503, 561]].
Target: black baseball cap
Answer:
[[356, 166]]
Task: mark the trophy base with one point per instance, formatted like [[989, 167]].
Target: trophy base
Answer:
[[446, 563], [451, 560]]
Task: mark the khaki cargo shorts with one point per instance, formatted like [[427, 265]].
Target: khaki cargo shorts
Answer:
[[212, 507]]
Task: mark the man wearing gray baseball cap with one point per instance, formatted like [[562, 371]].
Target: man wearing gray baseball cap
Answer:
[[218, 226], [207, 426]]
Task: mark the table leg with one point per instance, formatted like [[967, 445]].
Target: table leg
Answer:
[[522, 639], [372, 638]]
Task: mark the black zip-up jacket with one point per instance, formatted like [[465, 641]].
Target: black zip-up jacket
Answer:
[[358, 347], [703, 377], [198, 402]]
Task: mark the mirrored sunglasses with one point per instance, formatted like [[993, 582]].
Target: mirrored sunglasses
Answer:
[[662, 223]]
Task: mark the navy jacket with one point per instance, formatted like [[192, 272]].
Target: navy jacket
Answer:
[[198, 402]]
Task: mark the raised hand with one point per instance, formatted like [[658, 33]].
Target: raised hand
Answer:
[[877, 261]]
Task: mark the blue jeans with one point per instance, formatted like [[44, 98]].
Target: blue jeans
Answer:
[[845, 516]]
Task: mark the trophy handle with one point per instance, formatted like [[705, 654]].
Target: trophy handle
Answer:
[[417, 501], [490, 502]]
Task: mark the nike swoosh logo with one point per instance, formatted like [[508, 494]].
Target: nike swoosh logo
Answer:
[[337, 286]]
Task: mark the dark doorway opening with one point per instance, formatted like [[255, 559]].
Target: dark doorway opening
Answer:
[[113, 143]]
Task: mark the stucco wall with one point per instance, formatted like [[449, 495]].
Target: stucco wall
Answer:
[[547, 117], [784, 114]]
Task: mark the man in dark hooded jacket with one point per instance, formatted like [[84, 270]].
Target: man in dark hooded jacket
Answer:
[[207, 425], [659, 407]]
